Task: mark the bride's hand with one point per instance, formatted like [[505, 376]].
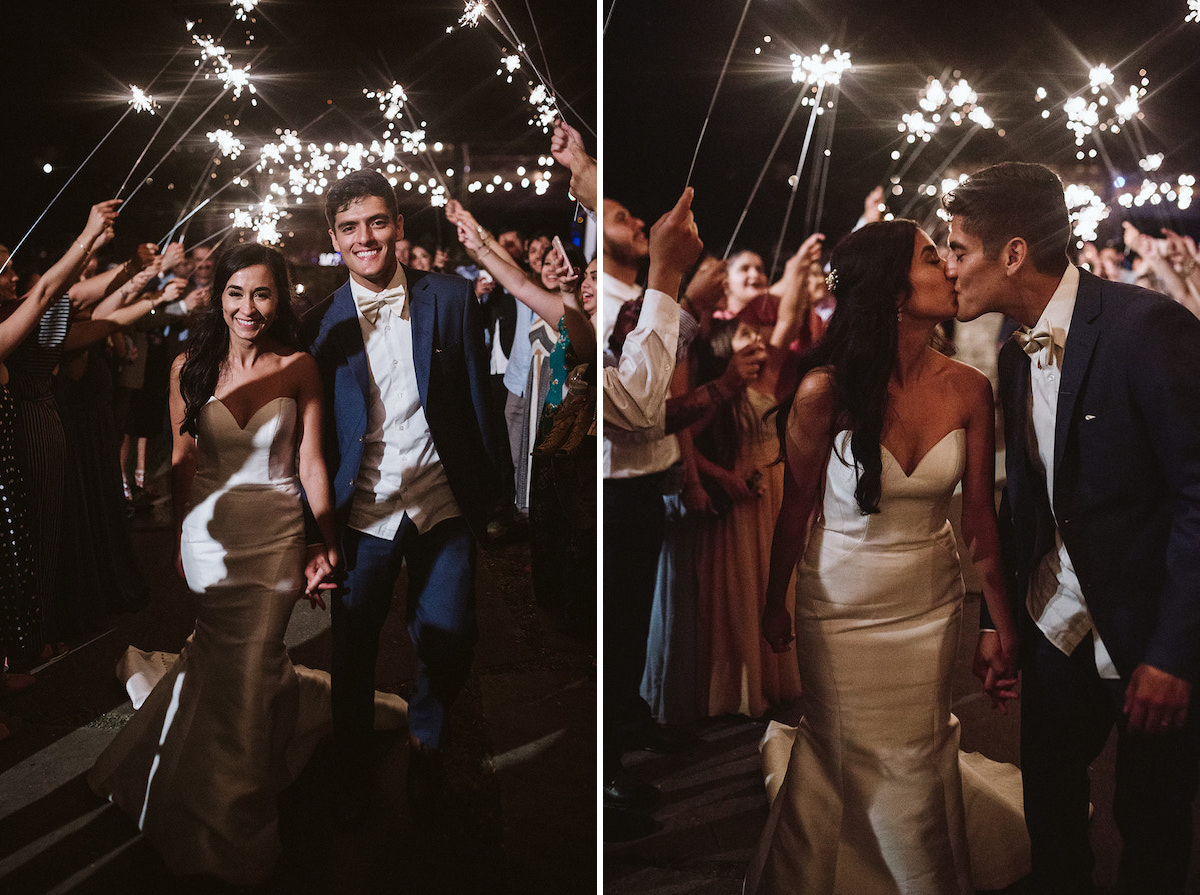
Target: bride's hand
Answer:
[[777, 627], [318, 573], [995, 666]]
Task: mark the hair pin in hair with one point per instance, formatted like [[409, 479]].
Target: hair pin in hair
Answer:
[[831, 280]]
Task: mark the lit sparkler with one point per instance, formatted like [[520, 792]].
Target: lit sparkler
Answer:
[[818, 70], [471, 14], [229, 145], [1100, 76], [545, 108], [243, 8], [1086, 209], [1193, 11], [141, 101]]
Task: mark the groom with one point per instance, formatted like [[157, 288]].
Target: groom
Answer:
[[408, 446], [1102, 426]]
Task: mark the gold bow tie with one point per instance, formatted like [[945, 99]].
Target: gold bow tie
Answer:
[[370, 305], [1036, 343]]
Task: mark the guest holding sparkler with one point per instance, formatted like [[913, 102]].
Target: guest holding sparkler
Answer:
[[31, 459]]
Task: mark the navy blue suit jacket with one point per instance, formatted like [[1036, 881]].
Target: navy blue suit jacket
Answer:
[[452, 379], [1126, 473]]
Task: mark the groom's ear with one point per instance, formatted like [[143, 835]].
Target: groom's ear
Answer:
[[399, 226], [1014, 255]]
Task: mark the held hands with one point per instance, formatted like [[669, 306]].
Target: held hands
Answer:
[[319, 573], [777, 627], [995, 665], [1156, 702]]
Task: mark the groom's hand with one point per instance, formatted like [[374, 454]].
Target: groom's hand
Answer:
[[1156, 702]]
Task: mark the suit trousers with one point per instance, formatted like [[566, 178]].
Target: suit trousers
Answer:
[[634, 519], [1067, 714], [440, 615]]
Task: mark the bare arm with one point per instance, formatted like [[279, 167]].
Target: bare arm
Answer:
[[792, 291], [566, 145], [809, 425], [995, 658], [87, 293], [20, 323], [579, 326], [314, 477], [485, 250], [183, 461], [88, 332]]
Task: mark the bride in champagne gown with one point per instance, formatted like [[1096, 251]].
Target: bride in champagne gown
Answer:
[[230, 722], [881, 430]]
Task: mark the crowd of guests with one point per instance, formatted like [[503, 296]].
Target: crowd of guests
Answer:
[[693, 478], [85, 356]]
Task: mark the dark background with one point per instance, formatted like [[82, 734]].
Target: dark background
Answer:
[[663, 60], [67, 67]]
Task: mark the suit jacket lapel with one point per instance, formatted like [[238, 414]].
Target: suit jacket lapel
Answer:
[[343, 322], [1077, 357], [422, 303]]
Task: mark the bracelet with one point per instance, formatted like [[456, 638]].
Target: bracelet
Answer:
[[482, 251]]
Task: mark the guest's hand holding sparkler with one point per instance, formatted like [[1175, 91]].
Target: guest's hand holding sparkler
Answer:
[[566, 145]]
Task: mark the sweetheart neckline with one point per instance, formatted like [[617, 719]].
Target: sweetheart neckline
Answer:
[[909, 475], [260, 409]]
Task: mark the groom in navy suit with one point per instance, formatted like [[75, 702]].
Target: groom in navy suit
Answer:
[[1101, 400], [408, 445]]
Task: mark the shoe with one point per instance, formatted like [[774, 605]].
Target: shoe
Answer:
[[656, 738], [623, 791], [624, 825]]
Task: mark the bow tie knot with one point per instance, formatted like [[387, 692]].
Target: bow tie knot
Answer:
[[1037, 343], [371, 305]]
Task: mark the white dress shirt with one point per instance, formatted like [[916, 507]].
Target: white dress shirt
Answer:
[[401, 472], [635, 393], [615, 293], [1055, 598]]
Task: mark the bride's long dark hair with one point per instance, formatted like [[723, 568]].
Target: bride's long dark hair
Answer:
[[860, 346], [207, 347]]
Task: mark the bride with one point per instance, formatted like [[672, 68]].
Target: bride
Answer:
[[201, 762], [880, 431]]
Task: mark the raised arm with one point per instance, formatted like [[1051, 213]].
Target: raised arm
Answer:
[[566, 145], [93, 290], [486, 251], [792, 291], [635, 392], [96, 232], [807, 446]]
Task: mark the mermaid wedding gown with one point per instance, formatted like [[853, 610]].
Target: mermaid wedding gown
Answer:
[[231, 722], [872, 796]]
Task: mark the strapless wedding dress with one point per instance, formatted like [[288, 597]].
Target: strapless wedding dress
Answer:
[[870, 795], [227, 724]]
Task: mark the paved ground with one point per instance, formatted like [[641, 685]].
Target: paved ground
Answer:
[[714, 804], [522, 765]]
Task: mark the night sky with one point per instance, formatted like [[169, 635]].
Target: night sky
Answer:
[[663, 59], [67, 67]]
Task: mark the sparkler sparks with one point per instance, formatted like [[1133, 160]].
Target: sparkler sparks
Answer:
[[471, 14], [140, 100], [1193, 11], [1087, 210], [545, 108], [229, 145], [819, 70], [243, 8]]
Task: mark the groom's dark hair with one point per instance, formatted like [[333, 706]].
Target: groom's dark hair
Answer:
[[358, 185], [1016, 199]]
